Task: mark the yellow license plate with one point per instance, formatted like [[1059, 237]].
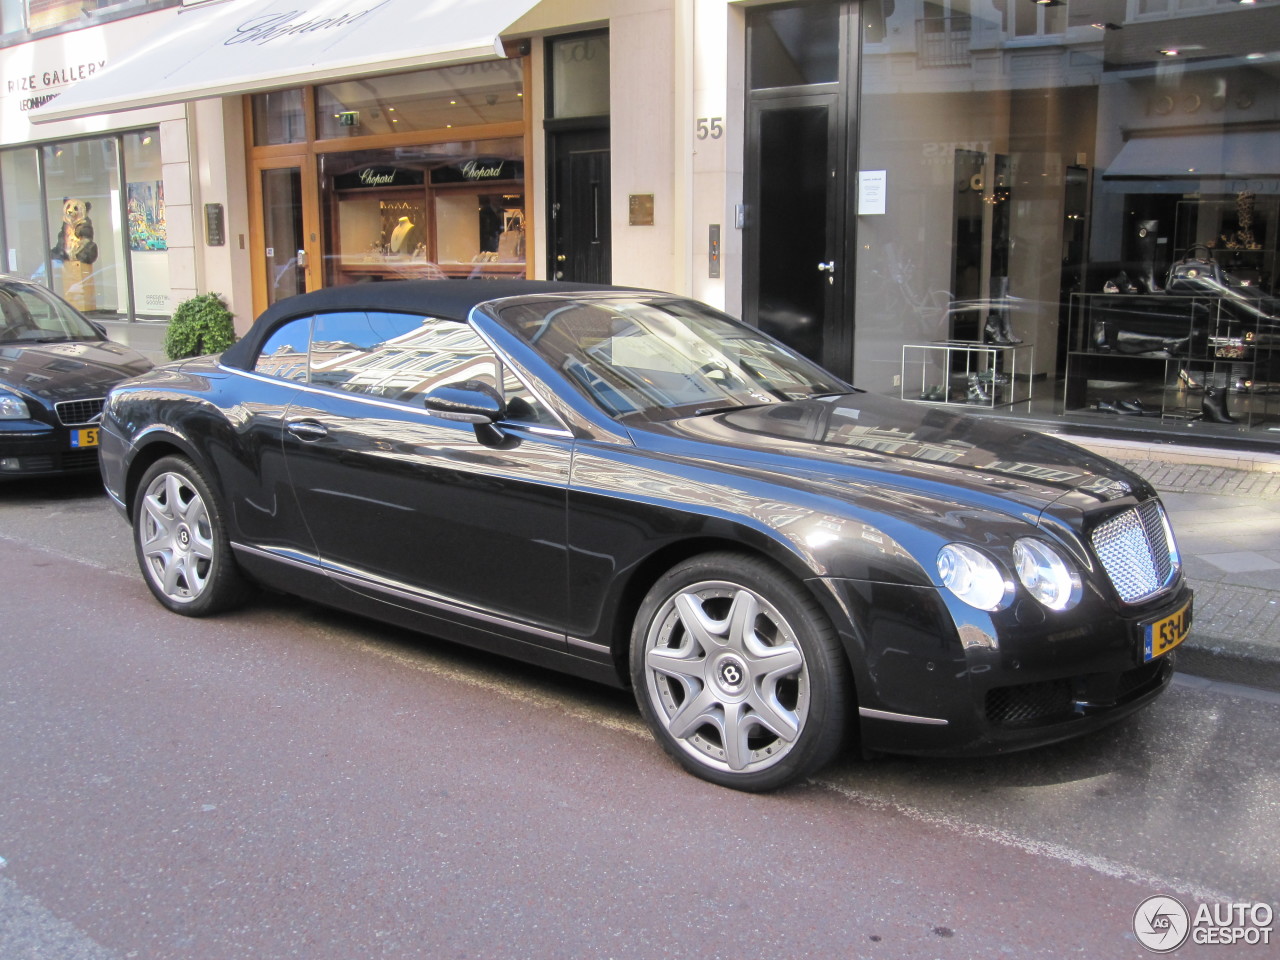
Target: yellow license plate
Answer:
[[1163, 635], [88, 437]]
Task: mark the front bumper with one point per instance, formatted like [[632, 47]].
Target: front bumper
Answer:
[[31, 448], [936, 677]]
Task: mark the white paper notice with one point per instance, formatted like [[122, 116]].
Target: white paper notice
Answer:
[[871, 190]]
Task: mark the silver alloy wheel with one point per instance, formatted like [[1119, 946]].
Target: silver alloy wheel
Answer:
[[726, 676], [175, 538]]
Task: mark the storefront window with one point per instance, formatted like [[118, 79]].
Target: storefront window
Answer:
[[580, 76], [448, 97], [25, 240], [439, 210], [1102, 207], [82, 195], [148, 236], [279, 117], [88, 231]]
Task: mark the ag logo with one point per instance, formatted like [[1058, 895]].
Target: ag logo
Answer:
[[1161, 924]]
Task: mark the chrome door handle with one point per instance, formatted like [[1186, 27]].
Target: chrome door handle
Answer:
[[307, 430], [828, 267]]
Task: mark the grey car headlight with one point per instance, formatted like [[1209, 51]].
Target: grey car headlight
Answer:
[[1046, 575], [973, 577], [13, 407]]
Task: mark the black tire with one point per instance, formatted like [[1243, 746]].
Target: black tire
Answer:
[[728, 642], [181, 541]]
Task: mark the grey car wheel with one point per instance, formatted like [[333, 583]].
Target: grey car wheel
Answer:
[[738, 672], [181, 543]]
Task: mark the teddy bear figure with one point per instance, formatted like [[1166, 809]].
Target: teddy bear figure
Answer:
[[75, 233]]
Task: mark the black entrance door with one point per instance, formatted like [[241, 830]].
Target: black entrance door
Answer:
[[794, 250], [580, 237], [800, 183]]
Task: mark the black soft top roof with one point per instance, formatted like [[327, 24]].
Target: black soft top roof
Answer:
[[446, 299]]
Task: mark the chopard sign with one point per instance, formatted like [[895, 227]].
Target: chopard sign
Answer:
[[277, 26]]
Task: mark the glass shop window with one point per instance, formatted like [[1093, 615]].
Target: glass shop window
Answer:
[[1095, 236], [148, 234], [429, 212], [24, 229], [795, 45], [279, 117], [82, 182], [580, 76], [462, 95]]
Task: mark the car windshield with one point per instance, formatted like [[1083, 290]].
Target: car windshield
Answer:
[[662, 358], [30, 314]]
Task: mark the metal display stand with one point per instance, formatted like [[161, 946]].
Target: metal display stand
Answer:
[[967, 372]]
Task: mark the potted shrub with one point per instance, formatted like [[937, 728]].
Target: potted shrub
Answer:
[[201, 325]]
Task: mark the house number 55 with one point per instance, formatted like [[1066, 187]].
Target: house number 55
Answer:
[[712, 127]]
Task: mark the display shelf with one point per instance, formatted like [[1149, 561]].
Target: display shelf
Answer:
[[1179, 358], [967, 372]]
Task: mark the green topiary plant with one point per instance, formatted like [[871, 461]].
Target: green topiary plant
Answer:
[[201, 325]]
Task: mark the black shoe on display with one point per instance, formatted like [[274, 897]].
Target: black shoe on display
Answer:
[[1213, 407], [1106, 406], [1132, 407], [1006, 329], [993, 332]]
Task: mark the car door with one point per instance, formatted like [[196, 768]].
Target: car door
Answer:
[[412, 509]]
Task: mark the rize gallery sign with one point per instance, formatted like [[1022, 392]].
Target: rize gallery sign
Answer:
[[37, 89]]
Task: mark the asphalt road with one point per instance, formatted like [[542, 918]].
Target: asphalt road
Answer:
[[290, 782]]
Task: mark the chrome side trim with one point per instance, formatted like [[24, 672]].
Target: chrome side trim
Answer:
[[293, 558], [900, 717], [399, 591], [589, 646], [405, 592]]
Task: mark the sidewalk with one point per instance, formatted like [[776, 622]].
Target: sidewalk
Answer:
[[1225, 510]]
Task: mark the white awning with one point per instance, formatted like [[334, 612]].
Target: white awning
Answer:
[[245, 46]]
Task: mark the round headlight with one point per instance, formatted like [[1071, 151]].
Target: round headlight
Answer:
[[973, 577], [1046, 575]]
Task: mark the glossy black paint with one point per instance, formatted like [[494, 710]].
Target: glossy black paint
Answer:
[[79, 368], [541, 543]]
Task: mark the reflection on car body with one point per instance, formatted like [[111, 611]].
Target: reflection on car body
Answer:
[[631, 487], [55, 370]]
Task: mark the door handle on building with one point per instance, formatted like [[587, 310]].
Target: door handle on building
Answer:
[[828, 267]]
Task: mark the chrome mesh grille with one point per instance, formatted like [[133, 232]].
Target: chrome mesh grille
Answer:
[[1136, 549], [74, 413]]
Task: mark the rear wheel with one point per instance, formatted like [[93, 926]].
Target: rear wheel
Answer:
[[738, 672], [181, 541]]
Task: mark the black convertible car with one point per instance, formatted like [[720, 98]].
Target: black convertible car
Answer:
[[632, 487]]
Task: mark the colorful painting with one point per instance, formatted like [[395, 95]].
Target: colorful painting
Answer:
[[146, 216]]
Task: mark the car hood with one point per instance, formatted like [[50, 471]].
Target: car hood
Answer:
[[873, 441], [58, 371]]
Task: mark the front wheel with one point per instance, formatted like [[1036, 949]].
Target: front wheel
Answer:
[[738, 672], [181, 541]]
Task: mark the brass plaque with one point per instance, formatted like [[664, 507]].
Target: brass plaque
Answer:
[[641, 207]]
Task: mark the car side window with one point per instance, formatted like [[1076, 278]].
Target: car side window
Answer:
[[284, 355], [402, 357]]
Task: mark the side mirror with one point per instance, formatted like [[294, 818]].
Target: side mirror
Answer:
[[473, 402]]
